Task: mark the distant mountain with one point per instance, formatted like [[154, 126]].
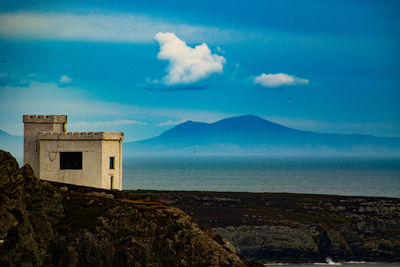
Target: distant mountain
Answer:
[[250, 134], [12, 143]]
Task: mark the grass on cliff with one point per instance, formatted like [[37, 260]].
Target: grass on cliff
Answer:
[[83, 209]]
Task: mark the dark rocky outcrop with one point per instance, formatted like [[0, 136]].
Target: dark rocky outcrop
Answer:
[[43, 224], [284, 227]]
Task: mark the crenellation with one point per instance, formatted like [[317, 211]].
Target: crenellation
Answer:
[[81, 135], [44, 119]]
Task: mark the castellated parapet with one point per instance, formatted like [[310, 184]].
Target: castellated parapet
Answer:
[[82, 158], [45, 118], [81, 136]]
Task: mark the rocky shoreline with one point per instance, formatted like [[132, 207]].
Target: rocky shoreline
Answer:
[[282, 227]]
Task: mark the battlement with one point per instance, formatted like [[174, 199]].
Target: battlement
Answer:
[[81, 136], [44, 119]]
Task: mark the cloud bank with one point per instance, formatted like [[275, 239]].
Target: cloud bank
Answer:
[[279, 79], [186, 64], [99, 27], [52, 98], [106, 123]]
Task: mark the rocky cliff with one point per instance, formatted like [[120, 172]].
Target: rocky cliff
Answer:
[[42, 224], [298, 227]]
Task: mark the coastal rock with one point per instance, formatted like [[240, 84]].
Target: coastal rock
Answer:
[[274, 241], [282, 227], [43, 224]]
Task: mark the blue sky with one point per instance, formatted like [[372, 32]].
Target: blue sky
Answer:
[[144, 66]]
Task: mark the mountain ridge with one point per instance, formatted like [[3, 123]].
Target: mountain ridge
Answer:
[[253, 134]]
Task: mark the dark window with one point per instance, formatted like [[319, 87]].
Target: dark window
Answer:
[[70, 160], [111, 182], [112, 160]]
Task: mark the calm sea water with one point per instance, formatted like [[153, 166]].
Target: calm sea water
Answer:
[[329, 175]]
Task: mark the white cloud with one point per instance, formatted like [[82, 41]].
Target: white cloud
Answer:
[[279, 79], [111, 27], [65, 79], [186, 64], [170, 123]]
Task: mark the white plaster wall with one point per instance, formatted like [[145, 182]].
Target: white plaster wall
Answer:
[[112, 148], [91, 173], [31, 137]]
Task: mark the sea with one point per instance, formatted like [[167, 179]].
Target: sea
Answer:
[[351, 176]]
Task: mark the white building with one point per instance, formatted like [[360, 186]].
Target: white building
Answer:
[[82, 158]]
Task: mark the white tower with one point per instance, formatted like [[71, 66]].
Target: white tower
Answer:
[[33, 124]]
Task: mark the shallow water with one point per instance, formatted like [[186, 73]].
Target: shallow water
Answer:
[[328, 175]]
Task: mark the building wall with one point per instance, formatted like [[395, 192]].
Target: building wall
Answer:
[[91, 172], [96, 148], [33, 124], [112, 148]]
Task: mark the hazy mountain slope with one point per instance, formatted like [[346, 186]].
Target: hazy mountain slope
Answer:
[[252, 134], [12, 143]]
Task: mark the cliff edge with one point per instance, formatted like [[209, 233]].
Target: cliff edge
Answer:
[[42, 224]]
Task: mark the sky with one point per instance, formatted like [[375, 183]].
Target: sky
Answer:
[[142, 67]]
